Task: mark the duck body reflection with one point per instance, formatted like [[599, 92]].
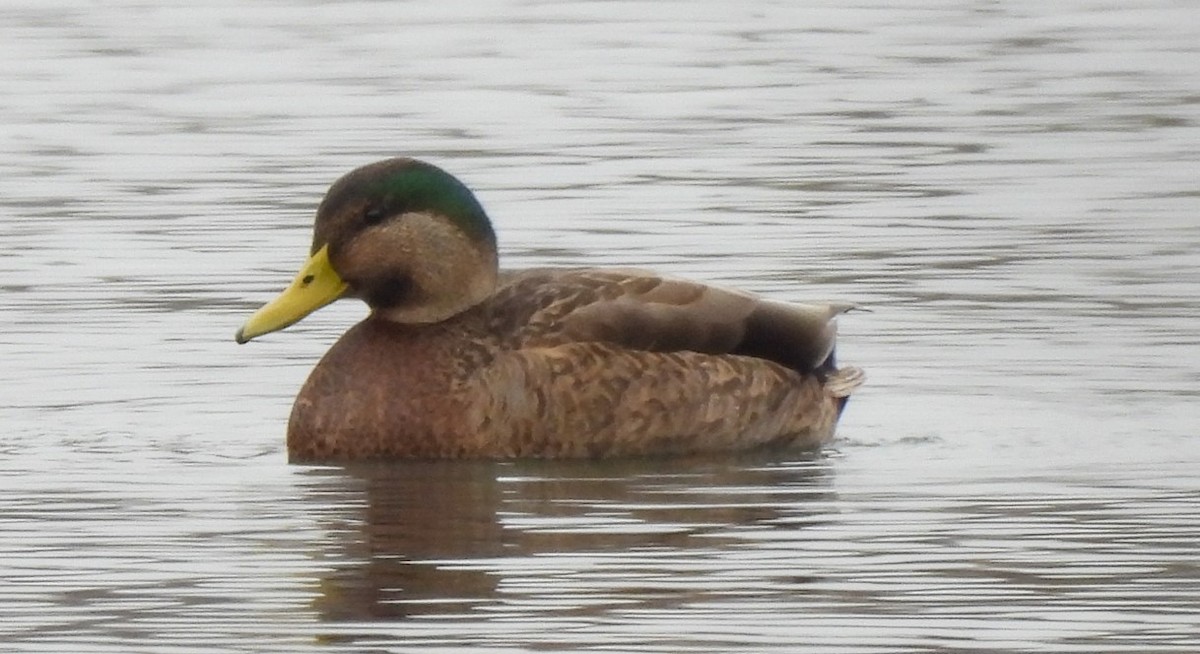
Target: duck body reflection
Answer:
[[451, 540]]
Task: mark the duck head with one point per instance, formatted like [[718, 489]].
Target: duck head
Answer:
[[405, 236]]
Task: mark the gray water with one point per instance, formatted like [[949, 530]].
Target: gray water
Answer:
[[1012, 188]]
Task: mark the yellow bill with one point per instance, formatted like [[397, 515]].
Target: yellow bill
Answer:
[[316, 285]]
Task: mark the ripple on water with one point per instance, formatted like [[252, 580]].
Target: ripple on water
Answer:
[[1011, 191]]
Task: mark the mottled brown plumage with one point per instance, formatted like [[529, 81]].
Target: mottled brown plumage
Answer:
[[467, 362]]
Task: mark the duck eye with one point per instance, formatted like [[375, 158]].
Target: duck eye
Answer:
[[374, 215]]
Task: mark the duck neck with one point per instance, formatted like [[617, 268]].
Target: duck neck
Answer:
[[446, 273], [432, 301]]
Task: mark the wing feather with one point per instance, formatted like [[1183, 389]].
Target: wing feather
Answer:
[[643, 311]]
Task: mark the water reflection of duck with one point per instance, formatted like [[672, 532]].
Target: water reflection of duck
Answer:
[[523, 542], [460, 360]]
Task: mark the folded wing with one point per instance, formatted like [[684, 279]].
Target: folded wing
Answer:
[[643, 311]]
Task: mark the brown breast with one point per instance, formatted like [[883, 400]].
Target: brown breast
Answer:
[[385, 391]]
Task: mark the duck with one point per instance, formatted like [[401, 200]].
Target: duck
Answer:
[[459, 359]]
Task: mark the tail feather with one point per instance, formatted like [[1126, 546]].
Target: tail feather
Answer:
[[843, 382]]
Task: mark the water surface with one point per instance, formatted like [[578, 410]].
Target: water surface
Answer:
[[1010, 188]]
